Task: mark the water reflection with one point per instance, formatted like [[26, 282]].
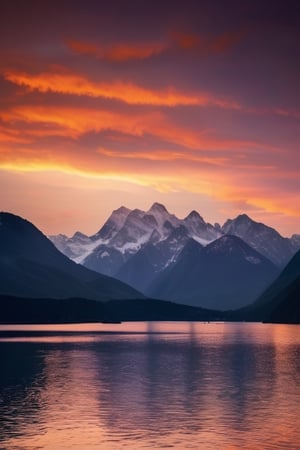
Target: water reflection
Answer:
[[21, 381], [206, 386]]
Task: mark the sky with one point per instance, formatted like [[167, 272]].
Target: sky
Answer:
[[194, 104]]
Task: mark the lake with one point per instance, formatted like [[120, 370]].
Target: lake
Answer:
[[155, 385]]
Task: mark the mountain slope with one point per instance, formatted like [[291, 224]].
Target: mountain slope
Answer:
[[31, 266], [144, 266], [287, 309], [262, 238], [280, 289], [225, 274]]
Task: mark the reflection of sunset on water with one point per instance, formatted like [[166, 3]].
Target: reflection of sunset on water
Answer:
[[150, 385]]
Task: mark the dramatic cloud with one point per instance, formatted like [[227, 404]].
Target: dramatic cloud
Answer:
[[74, 84], [193, 105]]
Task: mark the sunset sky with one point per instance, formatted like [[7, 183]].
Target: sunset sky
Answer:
[[195, 104]]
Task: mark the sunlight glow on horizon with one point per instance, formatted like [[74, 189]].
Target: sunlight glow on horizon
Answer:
[[172, 108]]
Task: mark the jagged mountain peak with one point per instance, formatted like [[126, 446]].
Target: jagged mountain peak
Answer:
[[238, 220], [134, 214], [79, 235], [242, 222], [244, 217], [122, 210], [264, 239], [119, 215], [113, 224], [158, 208], [193, 216], [129, 230]]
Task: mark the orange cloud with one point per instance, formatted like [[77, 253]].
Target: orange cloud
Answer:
[[221, 177], [72, 84], [220, 185], [164, 155], [120, 52], [7, 137], [74, 122]]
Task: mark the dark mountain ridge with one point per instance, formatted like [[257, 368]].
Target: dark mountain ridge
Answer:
[[31, 266], [225, 274]]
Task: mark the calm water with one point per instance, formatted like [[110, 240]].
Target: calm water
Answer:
[[151, 385]]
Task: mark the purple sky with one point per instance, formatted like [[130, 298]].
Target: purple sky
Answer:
[[194, 104]]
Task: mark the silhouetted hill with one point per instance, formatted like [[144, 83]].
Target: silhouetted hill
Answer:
[[279, 302], [287, 309], [31, 266], [77, 310]]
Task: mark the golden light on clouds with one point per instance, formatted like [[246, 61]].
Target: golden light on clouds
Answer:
[[75, 84], [175, 107]]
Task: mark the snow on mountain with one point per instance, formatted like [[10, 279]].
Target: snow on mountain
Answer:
[[129, 231], [74, 246], [199, 230], [162, 216], [79, 246], [135, 232], [262, 238], [112, 225]]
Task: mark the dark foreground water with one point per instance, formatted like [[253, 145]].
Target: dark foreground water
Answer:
[[151, 385]]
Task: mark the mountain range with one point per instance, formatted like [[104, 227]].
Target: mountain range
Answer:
[[186, 260], [203, 275]]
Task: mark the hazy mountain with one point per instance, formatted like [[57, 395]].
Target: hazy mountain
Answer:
[[31, 266], [71, 247], [225, 274], [262, 238]]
